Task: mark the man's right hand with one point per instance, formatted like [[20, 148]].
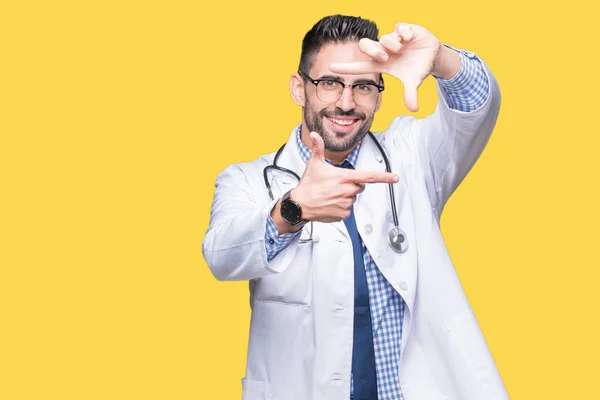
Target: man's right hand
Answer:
[[326, 193]]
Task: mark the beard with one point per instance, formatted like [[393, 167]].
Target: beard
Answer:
[[334, 141]]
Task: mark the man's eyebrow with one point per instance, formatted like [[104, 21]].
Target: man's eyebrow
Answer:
[[356, 82], [331, 76], [363, 81]]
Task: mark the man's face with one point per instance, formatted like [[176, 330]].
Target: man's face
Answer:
[[342, 124]]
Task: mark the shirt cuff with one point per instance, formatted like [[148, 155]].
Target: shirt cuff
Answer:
[[274, 242], [469, 89]]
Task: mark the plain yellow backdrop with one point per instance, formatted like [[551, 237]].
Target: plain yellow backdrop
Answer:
[[116, 117]]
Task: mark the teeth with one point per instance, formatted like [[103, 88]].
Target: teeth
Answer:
[[341, 122]]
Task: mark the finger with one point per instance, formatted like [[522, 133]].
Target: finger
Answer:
[[404, 31], [391, 42], [410, 96], [354, 68], [371, 177], [350, 189], [373, 49], [347, 202], [318, 150]]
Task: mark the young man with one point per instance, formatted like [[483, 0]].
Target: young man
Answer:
[[353, 293]]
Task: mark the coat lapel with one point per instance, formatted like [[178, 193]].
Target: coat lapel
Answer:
[[374, 219]]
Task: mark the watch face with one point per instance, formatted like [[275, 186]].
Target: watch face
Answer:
[[290, 212]]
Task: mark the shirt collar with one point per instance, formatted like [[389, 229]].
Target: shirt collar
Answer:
[[305, 152]]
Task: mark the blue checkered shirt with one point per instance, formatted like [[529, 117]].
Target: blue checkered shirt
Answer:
[[466, 92]]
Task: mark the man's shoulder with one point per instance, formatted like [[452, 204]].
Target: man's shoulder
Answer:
[[249, 167]]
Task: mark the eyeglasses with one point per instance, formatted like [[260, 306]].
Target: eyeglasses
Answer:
[[330, 90]]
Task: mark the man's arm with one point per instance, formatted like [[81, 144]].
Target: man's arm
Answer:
[[451, 140], [236, 243], [278, 233], [237, 240]]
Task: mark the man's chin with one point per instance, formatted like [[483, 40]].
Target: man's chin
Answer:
[[339, 143]]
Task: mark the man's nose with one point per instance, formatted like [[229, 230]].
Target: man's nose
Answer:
[[346, 100]]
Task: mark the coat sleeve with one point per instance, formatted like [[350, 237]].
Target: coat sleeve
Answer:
[[449, 141], [234, 245]]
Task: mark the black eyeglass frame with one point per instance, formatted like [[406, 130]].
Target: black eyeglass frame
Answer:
[[352, 86]]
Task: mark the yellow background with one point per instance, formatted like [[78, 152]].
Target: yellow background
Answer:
[[116, 117]]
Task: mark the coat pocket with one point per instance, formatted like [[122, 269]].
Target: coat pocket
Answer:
[[293, 286], [256, 390]]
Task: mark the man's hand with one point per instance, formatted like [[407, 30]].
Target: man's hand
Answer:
[[325, 192], [410, 53]]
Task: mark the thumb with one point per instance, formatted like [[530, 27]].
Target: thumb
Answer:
[[410, 96], [318, 148]]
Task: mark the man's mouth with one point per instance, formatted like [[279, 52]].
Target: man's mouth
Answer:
[[345, 123]]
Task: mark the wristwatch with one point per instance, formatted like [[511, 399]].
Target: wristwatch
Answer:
[[291, 212]]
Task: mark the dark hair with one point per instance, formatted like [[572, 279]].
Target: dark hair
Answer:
[[334, 29]]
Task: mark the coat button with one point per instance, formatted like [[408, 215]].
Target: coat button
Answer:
[[403, 286], [338, 309], [336, 377], [368, 228]]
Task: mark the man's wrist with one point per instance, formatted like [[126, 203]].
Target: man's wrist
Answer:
[[282, 225], [446, 64]]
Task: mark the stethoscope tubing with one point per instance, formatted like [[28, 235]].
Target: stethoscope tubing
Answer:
[[395, 243]]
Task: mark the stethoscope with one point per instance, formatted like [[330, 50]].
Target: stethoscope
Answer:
[[396, 237]]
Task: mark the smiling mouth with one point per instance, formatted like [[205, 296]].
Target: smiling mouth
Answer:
[[343, 122]]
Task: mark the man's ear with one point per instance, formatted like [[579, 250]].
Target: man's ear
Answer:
[[297, 90], [379, 100]]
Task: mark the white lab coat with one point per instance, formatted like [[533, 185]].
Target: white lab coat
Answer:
[[300, 345]]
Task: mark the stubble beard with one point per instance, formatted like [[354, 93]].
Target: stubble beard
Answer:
[[334, 141]]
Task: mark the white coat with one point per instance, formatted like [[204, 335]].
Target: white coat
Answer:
[[300, 345]]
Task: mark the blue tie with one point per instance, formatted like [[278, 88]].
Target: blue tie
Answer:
[[363, 355]]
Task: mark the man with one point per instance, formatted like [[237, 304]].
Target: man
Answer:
[[353, 293]]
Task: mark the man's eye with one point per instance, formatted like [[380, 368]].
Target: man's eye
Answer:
[[365, 88], [330, 84]]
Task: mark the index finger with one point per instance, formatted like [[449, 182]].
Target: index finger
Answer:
[[354, 68], [371, 177]]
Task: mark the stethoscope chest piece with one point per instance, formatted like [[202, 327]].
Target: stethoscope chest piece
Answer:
[[398, 240]]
